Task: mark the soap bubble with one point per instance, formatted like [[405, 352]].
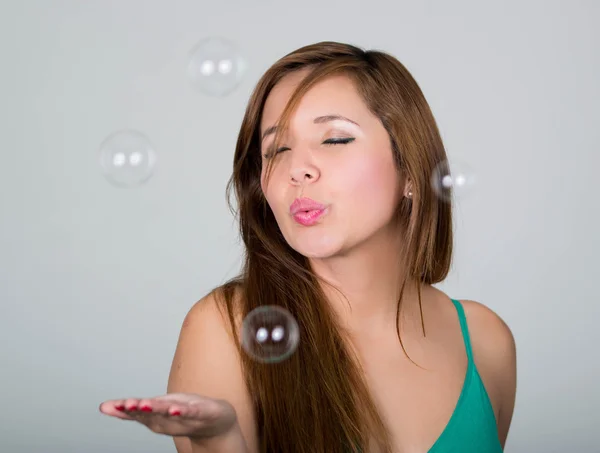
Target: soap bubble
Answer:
[[270, 334], [452, 180], [216, 67], [127, 158]]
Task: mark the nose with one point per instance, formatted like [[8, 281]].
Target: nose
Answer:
[[303, 174]]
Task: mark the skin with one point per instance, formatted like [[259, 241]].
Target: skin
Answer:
[[354, 246]]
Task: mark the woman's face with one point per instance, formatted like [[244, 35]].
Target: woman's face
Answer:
[[336, 153]]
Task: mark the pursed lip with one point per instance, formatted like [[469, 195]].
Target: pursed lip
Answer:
[[305, 204]]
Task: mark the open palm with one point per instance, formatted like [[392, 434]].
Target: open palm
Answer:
[[176, 414]]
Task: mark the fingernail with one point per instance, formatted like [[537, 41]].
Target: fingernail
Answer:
[[132, 408], [120, 408], [175, 412], [146, 409]]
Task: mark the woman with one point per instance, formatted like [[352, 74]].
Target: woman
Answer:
[[342, 228]]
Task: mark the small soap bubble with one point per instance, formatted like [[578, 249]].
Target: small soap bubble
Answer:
[[453, 179], [270, 334], [127, 158], [216, 67]]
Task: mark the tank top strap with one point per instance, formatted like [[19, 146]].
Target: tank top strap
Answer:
[[464, 328]]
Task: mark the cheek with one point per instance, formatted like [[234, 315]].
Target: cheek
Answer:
[[272, 190], [371, 183]]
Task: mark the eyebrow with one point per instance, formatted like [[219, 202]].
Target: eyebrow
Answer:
[[317, 120]]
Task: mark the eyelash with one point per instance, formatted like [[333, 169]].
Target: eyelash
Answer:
[[329, 142]]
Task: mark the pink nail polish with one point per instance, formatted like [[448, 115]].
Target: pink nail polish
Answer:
[[120, 407], [175, 412], [146, 409], [132, 408]]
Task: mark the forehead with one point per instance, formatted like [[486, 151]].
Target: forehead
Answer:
[[335, 94]]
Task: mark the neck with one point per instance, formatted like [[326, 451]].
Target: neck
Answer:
[[370, 277]]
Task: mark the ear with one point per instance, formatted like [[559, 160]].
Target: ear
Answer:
[[408, 191]]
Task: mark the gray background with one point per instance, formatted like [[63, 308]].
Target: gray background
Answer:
[[95, 280]]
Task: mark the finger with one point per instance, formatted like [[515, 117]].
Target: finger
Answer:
[[187, 411], [140, 410], [154, 414], [147, 405], [131, 404], [114, 409], [161, 406], [144, 413]]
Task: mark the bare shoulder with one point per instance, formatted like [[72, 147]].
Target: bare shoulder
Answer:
[[207, 362], [488, 330], [495, 355]]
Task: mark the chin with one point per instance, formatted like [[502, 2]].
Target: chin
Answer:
[[318, 247], [316, 254]]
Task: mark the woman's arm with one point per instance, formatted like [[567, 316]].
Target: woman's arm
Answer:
[[234, 442], [207, 362], [495, 355], [507, 382]]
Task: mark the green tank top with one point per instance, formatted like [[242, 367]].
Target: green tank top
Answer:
[[472, 427]]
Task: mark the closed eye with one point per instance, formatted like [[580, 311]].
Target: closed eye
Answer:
[[271, 153], [338, 141], [330, 141]]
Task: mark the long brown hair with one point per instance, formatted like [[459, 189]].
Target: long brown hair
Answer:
[[317, 400]]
